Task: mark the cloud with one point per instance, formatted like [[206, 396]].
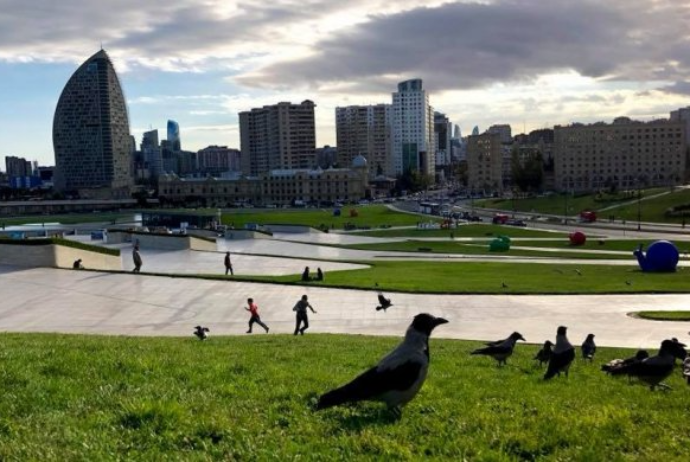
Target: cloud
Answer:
[[473, 45], [680, 87]]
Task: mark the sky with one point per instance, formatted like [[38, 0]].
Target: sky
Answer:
[[529, 63]]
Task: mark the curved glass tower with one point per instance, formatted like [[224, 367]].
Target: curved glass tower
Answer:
[[91, 130], [174, 135]]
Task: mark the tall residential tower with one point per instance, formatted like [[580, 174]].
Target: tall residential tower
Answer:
[[365, 131], [413, 129]]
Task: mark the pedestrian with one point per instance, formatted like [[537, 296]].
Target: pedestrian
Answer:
[[255, 318], [301, 315], [228, 264], [305, 274], [136, 257]]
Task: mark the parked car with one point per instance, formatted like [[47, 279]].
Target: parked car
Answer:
[[515, 222]]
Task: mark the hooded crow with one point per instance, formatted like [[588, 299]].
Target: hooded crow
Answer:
[[201, 332], [614, 365], [398, 377], [562, 356], [589, 347], [502, 351], [655, 369], [544, 354], [384, 303], [686, 370]]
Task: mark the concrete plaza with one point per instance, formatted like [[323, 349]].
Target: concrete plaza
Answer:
[[53, 300]]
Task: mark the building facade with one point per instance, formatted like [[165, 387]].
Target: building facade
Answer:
[[443, 131], [91, 131], [151, 153], [17, 166], [504, 131], [214, 160], [365, 131], [174, 135], [624, 154], [485, 159], [278, 187], [282, 136], [414, 146]]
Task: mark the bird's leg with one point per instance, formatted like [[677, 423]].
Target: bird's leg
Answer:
[[664, 387], [397, 412]]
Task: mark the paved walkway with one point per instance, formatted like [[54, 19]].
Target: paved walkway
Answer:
[[51, 300]]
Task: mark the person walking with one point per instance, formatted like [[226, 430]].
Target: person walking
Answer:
[[228, 264], [301, 314], [136, 257], [255, 318]]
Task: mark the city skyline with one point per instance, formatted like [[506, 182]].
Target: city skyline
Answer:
[[181, 61]]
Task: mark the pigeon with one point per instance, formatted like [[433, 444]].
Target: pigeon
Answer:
[[589, 347], [384, 303], [398, 377], [502, 351], [616, 364], [544, 354], [686, 370], [562, 356], [655, 369], [201, 332]]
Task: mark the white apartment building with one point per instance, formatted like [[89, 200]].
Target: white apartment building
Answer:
[[414, 144]]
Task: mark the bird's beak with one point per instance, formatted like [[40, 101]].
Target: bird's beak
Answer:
[[440, 321], [522, 338]]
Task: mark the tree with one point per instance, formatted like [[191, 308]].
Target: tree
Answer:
[[527, 168]]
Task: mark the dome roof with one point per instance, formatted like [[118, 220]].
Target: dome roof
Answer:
[[359, 162]]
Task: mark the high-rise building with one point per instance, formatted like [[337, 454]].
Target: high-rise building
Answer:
[[151, 152], [174, 135], [413, 129], [504, 131], [215, 160], [443, 131], [624, 154], [485, 163], [326, 157], [91, 130], [682, 115], [365, 131], [475, 130], [282, 136], [17, 167]]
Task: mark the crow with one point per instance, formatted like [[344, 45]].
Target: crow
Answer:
[[502, 351], [562, 356], [544, 354], [201, 332], [398, 377], [384, 303], [655, 369], [686, 370], [616, 364], [589, 347]]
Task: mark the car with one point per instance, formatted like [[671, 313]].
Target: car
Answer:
[[515, 222]]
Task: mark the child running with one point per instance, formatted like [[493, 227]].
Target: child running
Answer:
[[254, 310], [302, 318]]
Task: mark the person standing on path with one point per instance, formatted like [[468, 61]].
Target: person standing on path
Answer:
[[228, 264], [254, 310], [136, 257], [301, 314]]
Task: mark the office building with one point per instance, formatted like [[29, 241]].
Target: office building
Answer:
[[365, 131], [443, 131], [414, 147], [91, 131], [151, 153], [17, 167], [624, 154], [174, 135], [327, 157], [282, 136]]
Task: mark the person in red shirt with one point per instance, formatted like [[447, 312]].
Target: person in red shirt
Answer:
[[255, 318]]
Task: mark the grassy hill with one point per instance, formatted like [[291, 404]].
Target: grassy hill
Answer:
[[251, 398]]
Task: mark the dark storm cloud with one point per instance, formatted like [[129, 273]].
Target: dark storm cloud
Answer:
[[470, 45], [678, 88]]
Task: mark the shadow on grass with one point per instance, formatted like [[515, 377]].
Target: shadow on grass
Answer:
[[357, 417]]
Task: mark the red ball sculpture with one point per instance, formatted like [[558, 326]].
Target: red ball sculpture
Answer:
[[577, 238]]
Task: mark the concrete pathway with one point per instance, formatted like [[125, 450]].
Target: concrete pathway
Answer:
[[51, 300]]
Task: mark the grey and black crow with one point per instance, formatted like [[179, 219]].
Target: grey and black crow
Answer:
[[398, 377], [201, 332], [655, 369], [384, 303], [589, 347], [562, 356], [502, 351], [544, 354], [686, 370], [616, 364]]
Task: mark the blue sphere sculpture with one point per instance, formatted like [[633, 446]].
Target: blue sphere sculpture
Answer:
[[662, 256]]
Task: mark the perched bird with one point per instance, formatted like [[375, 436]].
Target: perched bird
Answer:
[[504, 285], [579, 273], [544, 354], [398, 377], [201, 332], [502, 351], [384, 303], [686, 370], [562, 356], [614, 365], [655, 369], [589, 347]]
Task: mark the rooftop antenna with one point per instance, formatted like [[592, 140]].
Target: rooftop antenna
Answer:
[[101, 45]]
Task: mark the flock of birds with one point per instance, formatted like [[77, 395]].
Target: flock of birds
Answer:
[[399, 376]]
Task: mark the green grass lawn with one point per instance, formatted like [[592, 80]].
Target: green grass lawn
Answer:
[[621, 245], [479, 249], [470, 230], [487, 278], [371, 215], [251, 398], [664, 315]]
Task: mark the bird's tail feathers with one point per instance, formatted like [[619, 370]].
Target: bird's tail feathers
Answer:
[[334, 398]]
